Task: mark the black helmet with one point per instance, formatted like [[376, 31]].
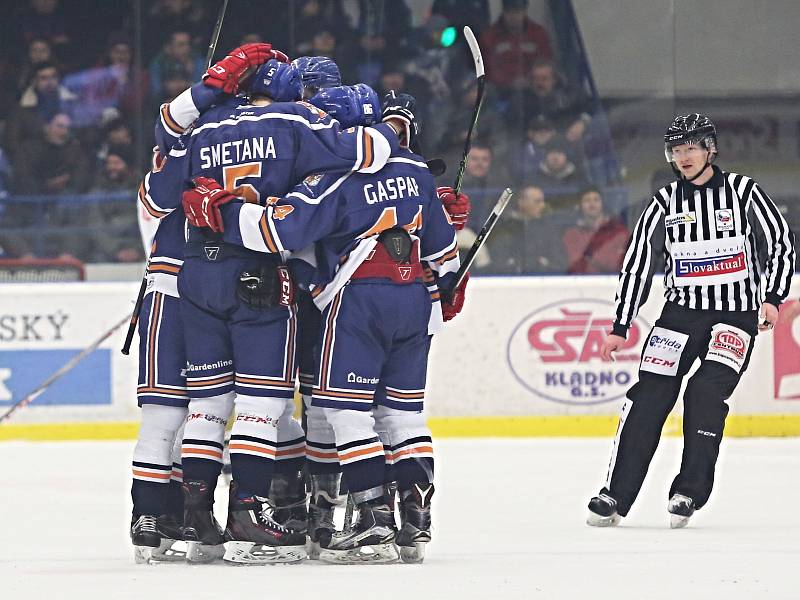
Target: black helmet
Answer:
[[693, 128]]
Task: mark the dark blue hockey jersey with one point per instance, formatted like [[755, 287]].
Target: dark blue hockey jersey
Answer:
[[255, 152], [344, 213]]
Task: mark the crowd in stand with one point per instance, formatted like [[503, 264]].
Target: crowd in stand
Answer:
[[84, 81]]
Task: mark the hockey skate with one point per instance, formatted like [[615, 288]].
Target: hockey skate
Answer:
[[288, 494], [603, 512], [325, 497], [370, 540], [680, 509], [415, 517], [254, 537], [201, 531], [157, 540]]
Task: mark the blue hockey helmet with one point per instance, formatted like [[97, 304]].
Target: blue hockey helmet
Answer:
[[318, 72], [277, 80], [351, 105]]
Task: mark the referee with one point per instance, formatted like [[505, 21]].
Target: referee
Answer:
[[728, 253]]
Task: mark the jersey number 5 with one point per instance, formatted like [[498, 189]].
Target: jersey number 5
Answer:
[[232, 175]]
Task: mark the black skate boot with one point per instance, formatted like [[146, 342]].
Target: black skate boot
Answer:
[[680, 509], [603, 511], [415, 516], [172, 548], [201, 531], [145, 538], [326, 495], [288, 494], [369, 540], [254, 537]]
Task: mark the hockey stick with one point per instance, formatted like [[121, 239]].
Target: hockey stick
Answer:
[[61, 372], [481, 78], [491, 221], [137, 307]]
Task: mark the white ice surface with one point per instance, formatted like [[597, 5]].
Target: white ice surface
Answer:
[[509, 523]]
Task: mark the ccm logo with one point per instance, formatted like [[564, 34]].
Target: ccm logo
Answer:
[[654, 360]]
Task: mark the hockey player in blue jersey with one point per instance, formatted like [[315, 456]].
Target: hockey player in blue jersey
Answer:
[[257, 149], [161, 390], [374, 232]]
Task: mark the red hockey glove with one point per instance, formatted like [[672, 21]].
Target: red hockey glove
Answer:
[[227, 73], [201, 203], [452, 307], [458, 207]]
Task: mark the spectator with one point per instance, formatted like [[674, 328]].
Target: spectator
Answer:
[[109, 89], [176, 56], [431, 65], [314, 17], [117, 174], [117, 239], [174, 79], [384, 27], [558, 175], [53, 164], [40, 102], [483, 181], [461, 13], [44, 20], [539, 132], [167, 17], [597, 242], [511, 44], [528, 240], [458, 117], [117, 133], [550, 96], [39, 52]]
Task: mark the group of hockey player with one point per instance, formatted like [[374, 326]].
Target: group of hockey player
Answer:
[[301, 241]]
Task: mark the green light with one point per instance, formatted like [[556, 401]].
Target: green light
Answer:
[[448, 36]]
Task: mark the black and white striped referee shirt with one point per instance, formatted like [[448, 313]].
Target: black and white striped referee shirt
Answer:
[[724, 239]]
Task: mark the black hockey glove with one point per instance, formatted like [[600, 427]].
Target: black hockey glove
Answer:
[[399, 109], [267, 287]]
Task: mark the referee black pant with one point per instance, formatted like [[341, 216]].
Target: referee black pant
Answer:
[[652, 398]]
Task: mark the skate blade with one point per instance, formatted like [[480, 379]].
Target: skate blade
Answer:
[[678, 521], [375, 554], [595, 520], [203, 553], [413, 554], [313, 550], [250, 553], [167, 551]]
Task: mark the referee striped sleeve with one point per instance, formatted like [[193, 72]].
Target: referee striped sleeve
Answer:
[[635, 276], [780, 242]]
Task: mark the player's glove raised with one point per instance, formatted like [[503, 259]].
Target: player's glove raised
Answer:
[[398, 110], [458, 206], [228, 73], [452, 306], [201, 203]]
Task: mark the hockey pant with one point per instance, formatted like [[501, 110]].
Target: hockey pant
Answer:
[[723, 341], [373, 353], [235, 351], [161, 393]]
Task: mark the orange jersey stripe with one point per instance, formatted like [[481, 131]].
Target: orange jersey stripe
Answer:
[[417, 450], [368, 155], [361, 452], [174, 269], [225, 379], [169, 121], [321, 454], [240, 446], [265, 234], [206, 451], [153, 212], [266, 382], [138, 473]]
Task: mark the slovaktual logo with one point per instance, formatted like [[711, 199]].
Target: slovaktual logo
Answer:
[[554, 352]]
